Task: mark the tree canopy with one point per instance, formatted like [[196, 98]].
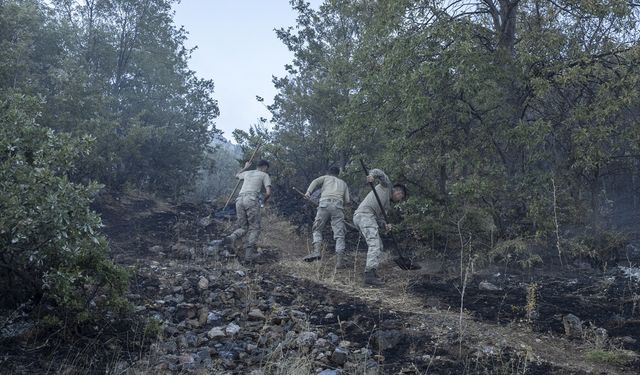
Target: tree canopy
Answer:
[[509, 119]]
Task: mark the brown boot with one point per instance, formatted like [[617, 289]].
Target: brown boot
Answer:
[[341, 264], [372, 279], [315, 255]]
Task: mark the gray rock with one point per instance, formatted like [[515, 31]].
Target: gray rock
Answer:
[[388, 339], [186, 358], [232, 329], [333, 338], [256, 314], [485, 285], [340, 356], [329, 372], [156, 249], [17, 331], [572, 326], [306, 339], [192, 339], [214, 317], [215, 332], [321, 343], [203, 283]]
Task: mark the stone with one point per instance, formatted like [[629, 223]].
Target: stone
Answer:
[[339, 356], [214, 317], [387, 339], [156, 249], [203, 316], [186, 358], [232, 329], [485, 285], [216, 332], [328, 372], [203, 283], [572, 326], [256, 314], [306, 339]]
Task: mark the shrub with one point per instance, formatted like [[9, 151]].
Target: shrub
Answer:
[[51, 251]]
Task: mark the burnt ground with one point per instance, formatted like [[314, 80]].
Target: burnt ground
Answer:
[[216, 315]]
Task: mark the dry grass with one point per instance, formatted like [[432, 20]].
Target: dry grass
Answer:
[[395, 294]]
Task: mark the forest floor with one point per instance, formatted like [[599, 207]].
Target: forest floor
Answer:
[[218, 316]]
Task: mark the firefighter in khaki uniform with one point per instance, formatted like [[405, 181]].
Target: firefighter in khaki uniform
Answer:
[[335, 194], [368, 218], [248, 208]]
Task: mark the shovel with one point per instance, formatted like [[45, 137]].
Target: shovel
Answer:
[[401, 261]]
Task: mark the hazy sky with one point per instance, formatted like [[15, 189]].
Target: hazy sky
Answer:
[[238, 49]]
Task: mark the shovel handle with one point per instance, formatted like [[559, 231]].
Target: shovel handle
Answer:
[[373, 188], [238, 183]]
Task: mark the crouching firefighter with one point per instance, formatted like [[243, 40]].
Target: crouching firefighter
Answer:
[[369, 219]]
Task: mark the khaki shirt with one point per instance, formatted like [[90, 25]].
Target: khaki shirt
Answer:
[[332, 188], [369, 204], [254, 180]]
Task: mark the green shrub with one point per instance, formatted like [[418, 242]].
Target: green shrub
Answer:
[[51, 251]]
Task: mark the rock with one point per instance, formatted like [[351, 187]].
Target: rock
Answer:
[[321, 343], [215, 332], [628, 340], [156, 249], [204, 358], [232, 329], [214, 317], [333, 338], [485, 285], [256, 314], [203, 283], [169, 346], [18, 331], [185, 311], [186, 358], [388, 339], [329, 316], [170, 330], [192, 339], [572, 326], [306, 339], [340, 356], [240, 273], [203, 316], [328, 372]]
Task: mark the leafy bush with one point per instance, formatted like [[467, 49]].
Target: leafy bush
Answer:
[[51, 251]]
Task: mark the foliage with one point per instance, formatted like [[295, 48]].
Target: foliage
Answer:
[[51, 251], [115, 70], [508, 113], [612, 357]]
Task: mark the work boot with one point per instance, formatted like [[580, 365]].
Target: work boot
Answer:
[[315, 255], [372, 279], [341, 264]]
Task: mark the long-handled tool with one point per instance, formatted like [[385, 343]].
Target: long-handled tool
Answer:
[[238, 183], [316, 205], [401, 261]]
